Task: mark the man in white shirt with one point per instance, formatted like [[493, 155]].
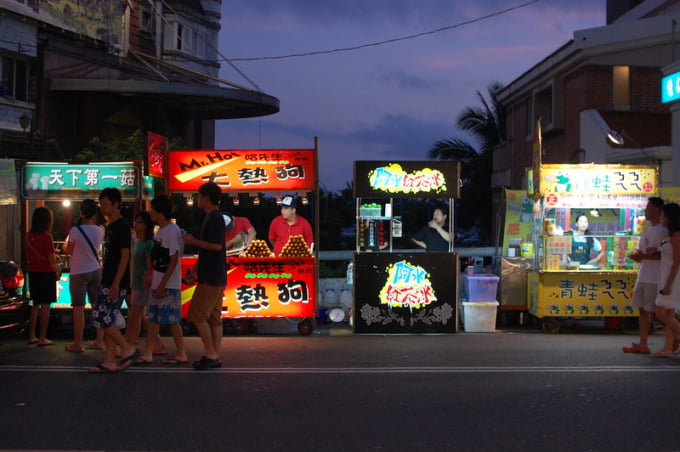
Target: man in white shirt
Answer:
[[648, 256]]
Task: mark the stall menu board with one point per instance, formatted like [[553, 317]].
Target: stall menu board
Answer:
[[252, 170], [407, 179], [405, 293], [599, 179], [43, 180], [263, 287], [568, 294]]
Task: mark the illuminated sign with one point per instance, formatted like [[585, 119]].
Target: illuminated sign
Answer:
[[243, 170], [156, 149], [407, 286], [598, 179], [670, 88], [407, 179], [264, 287], [582, 294], [393, 179], [65, 180], [405, 293]]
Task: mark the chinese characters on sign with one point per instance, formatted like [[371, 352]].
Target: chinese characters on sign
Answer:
[[57, 180], [407, 286], [393, 179], [248, 170], [587, 294], [603, 180], [267, 287]]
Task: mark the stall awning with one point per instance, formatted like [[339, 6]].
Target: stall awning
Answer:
[[197, 101]]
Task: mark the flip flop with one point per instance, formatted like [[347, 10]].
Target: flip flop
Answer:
[[142, 362], [635, 348], [32, 342], [92, 346], [45, 344], [173, 361], [70, 348], [128, 360], [662, 354], [206, 363], [101, 369], [160, 352]]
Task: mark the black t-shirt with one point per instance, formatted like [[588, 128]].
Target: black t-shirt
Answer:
[[434, 242], [212, 268], [118, 237]]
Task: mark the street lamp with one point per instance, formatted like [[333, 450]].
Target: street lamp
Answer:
[[24, 122]]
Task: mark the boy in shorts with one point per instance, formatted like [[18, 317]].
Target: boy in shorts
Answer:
[[165, 302]]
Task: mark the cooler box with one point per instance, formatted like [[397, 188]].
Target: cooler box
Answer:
[[479, 317], [480, 287]]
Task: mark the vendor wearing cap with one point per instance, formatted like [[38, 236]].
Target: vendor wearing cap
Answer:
[[288, 224], [242, 231]]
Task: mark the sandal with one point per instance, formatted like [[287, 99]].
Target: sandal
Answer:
[[636, 348], [92, 345], [101, 369], [662, 354], [71, 348]]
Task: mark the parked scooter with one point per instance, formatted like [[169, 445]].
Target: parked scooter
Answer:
[[14, 307]]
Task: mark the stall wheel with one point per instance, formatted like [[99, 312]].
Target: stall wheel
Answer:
[[305, 327], [550, 325]]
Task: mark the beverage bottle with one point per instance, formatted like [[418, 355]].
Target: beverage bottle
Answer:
[[350, 273]]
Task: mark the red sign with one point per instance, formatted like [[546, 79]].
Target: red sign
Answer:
[[156, 149], [263, 287], [243, 170]]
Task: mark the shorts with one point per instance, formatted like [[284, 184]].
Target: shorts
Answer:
[[644, 296], [140, 297], [42, 287], [85, 284], [166, 310], [105, 310], [206, 304]]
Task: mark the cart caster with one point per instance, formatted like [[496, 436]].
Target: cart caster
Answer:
[[550, 325], [305, 327]]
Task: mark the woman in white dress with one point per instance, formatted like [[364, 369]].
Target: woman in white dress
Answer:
[[668, 299]]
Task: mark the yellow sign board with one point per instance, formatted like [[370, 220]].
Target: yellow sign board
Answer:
[[581, 294], [599, 179]]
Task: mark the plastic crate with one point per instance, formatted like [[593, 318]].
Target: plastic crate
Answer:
[[480, 287]]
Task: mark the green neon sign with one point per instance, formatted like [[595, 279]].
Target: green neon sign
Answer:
[[43, 180]]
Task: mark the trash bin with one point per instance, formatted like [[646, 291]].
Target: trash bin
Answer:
[[479, 316]]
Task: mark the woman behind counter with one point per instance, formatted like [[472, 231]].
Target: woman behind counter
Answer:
[[582, 248]]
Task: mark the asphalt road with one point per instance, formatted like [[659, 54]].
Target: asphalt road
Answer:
[[515, 390]]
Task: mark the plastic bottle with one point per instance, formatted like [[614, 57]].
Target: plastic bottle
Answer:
[[345, 298], [330, 298], [350, 273]]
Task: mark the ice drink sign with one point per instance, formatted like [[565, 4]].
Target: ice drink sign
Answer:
[[407, 179]]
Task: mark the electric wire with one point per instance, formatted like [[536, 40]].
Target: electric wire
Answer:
[[389, 41]]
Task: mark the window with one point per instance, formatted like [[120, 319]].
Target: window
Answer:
[[543, 107], [15, 76], [180, 37], [621, 87], [146, 21]]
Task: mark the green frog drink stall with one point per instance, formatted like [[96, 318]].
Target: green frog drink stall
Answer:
[[408, 290], [61, 186], [259, 284], [586, 222]]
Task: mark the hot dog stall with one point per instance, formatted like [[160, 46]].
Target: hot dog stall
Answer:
[[407, 290], [590, 274], [253, 182]]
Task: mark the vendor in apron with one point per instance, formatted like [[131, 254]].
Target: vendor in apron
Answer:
[[582, 247]]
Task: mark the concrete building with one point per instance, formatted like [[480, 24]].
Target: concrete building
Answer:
[[75, 70], [604, 82]]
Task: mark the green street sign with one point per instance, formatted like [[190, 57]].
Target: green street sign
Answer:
[[49, 180]]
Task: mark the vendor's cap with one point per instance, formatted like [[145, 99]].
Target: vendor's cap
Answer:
[[288, 201], [228, 221]]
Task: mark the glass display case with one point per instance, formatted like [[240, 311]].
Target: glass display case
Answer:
[[376, 224]]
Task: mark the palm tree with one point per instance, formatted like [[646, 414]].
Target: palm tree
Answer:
[[487, 126]]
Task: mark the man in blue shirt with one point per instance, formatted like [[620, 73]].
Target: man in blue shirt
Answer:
[[205, 311]]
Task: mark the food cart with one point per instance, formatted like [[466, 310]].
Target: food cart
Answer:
[[259, 285], [613, 199], [60, 186], [402, 291]]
